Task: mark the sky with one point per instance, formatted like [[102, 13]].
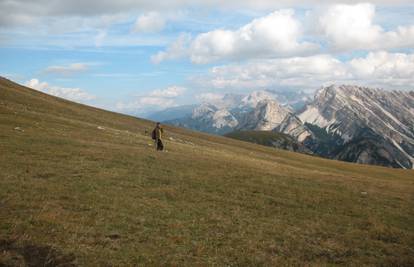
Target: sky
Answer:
[[139, 56]]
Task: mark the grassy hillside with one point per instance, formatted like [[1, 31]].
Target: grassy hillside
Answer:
[[261, 137], [83, 186], [269, 138]]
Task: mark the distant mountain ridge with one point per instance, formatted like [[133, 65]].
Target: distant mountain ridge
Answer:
[[345, 122], [258, 110], [370, 125]]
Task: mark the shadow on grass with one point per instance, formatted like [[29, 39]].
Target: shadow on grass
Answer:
[[15, 254]]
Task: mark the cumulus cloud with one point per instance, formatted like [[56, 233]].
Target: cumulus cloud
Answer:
[[383, 69], [155, 100], [339, 27], [275, 35], [349, 27], [394, 69], [149, 22], [169, 92], [296, 71], [68, 69], [74, 94]]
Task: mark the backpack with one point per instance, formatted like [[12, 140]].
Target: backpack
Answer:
[[153, 135]]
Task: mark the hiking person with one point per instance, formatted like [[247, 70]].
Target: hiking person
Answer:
[[157, 136]]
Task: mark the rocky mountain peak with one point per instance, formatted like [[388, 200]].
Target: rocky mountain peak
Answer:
[[326, 95], [267, 115], [204, 110], [254, 98], [227, 101], [351, 111]]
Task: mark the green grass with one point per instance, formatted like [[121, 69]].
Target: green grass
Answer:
[[266, 138], [74, 194], [259, 136]]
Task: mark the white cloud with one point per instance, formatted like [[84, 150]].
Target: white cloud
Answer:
[[395, 69], [68, 69], [36, 84], [178, 49], [382, 69], [275, 35], [74, 94], [17, 11], [290, 72], [343, 27], [350, 27], [78, 23], [149, 22], [154, 100], [169, 92]]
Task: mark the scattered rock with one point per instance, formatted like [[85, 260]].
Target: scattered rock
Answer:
[[364, 193], [100, 128], [18, 129]]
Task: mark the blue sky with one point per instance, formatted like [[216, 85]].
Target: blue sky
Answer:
[[138, 56]]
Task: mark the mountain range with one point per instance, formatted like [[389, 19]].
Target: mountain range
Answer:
[[344, 122]]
